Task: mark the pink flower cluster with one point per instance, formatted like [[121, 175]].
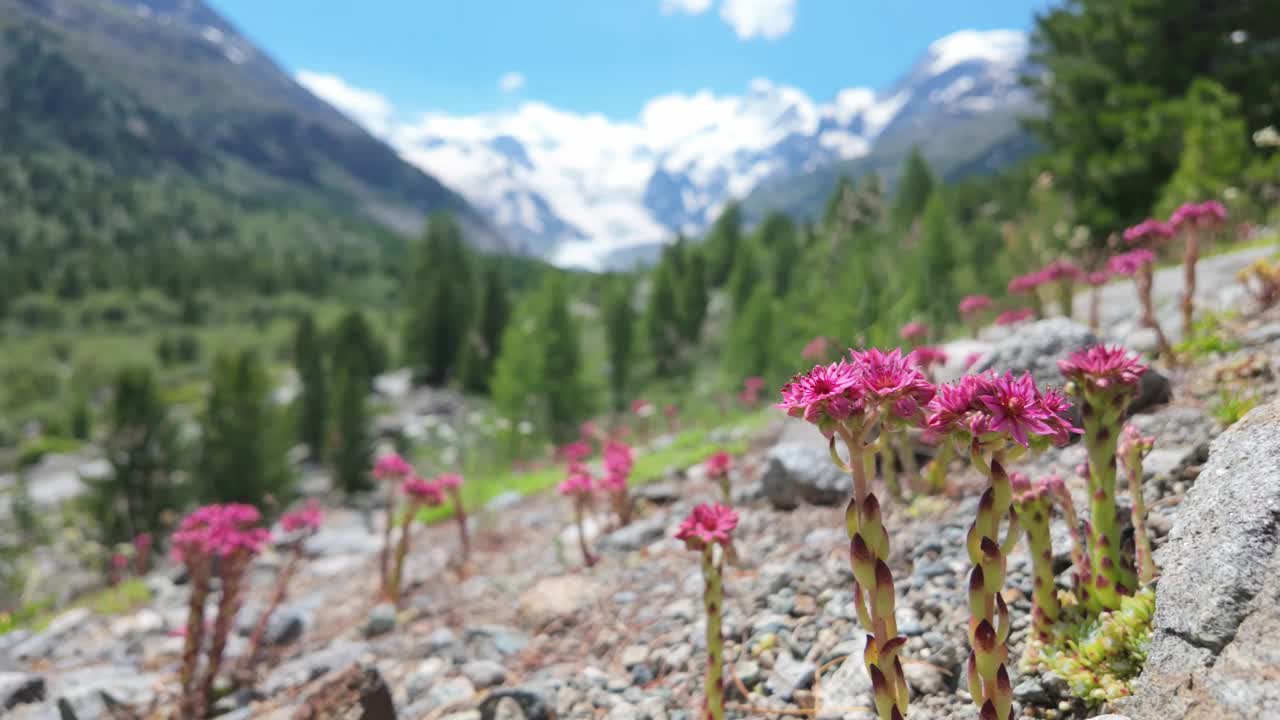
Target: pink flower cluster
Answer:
[[974, 304], [926, 356], [422, 491], [220, 530], [984, 405], [575, 452], [1057, 271], [707, 524], [1209, 212], [578, 485], [307, 518], [718, 464], [1149, 230], [449, 481], [1013, 317], [751, 388], [1098, 278], [1130, 263], [392, 467], [641, 407], [142, 542], [914, 331], [618, 462], [869, 380], [1103, 368], [815, 349]]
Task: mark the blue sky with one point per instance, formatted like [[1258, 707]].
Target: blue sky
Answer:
[[606, 56]]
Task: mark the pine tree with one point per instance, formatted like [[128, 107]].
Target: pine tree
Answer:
[[751, 338], [313, 401], [693, 300], [662, 322], [561, 377], [350, 447], [619, 327], [746, 277], [722, 244], [937, 260], [146, 455], [356, 349], [914, 188], [485, 342], [440, 301], [242, 454], [1214, 147]]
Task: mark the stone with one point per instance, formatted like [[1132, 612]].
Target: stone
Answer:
[[633, 655], [790, 675], [484, 673], [924, 678], [381, 620], [503, 501], [354, 693], [450, 692], [89, 693], [516, 704], [1218, 598], [555, 598], [748, 671], [20, 688], [624, 711], [45, 642], [635, 536], [848, 687], [659, 493], [494, 642], [800, 472], [420, 680], [677, 658], [304, 669]]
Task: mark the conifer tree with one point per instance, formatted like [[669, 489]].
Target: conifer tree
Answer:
[[619, 327], [914, 188], [350, 446], [441, 299], [751, 338], [937, 260], [722, 244], [484, 343], [694, 298], [662, 322], [566, 402], [357, 349], [242, 453], [746, 277], [313, 400]]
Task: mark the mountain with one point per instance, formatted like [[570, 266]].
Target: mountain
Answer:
[[587, 190], [168, 86]]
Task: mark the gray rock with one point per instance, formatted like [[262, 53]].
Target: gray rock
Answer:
[[381, 620], [423, 676], [661, 493], [1218, 598], [504, 501], [19, 688], [494, 642], [516, 704], [449, 692], [88, 693], [1044, 690], [308, 667], [848, 687], [635, 536], [59, 629], [796, 472], [677, 658], [748, 671], [790, 675], [924, 678], [1037, 347], [484, 673]]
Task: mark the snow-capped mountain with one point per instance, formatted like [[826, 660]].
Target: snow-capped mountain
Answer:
[[581, 188]]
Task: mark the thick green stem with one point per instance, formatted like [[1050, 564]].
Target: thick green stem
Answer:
[[1189, 258], [397, 567], [989, 622], [1141, 541], [384, 559], [1101, 433], [873, 588], [713, 600], [580, 510], [1034, 516], [460, 515], [199, 569], [935, 473]]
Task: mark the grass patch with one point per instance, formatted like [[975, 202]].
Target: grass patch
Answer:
[[35, 616], [33, 451], [688, 447], [1231, 405]]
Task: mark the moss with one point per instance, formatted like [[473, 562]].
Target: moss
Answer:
[[1100, 656]]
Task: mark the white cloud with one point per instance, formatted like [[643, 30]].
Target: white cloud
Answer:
[[511, 82], [691, 7], [365, 107], [769, 19]]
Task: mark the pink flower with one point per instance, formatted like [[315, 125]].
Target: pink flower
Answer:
[[142, 541], [449, 481], [889, 377], [1029, 282], [1103, 368], [392, 467], [577, 485], [613, 482], [575, 452], [589, 431], [718, 464], [1206, 213], [641, 407], [926, 356], [754, 384], [1132, 439], [1149, 229], [671, 411], [1013, 317], [618, 459], [707, 524], [1014, 406], [119, 561], [1098, 278], [1129, 263], [972, 359], [221, 530], [816, 349], [825, 393], [974, 304], [1062, 269], [308, 518], [914, 331], [422, 491]]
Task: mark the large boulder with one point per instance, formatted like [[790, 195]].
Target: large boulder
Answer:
[[1216, 632], [555, 598], [798, 472], [1037, 347]]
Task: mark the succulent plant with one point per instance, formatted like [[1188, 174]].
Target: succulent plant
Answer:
[[708, 530], [579, 488], [298, 525], [451, 485], [1133, 448], [420, 493], [1193, 219], [1034, 503], [391, 469], [717, 467]]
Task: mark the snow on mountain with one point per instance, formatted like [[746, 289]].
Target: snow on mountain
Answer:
[[580, 188]]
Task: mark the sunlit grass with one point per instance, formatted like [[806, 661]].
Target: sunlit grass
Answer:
[[118, 600]]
